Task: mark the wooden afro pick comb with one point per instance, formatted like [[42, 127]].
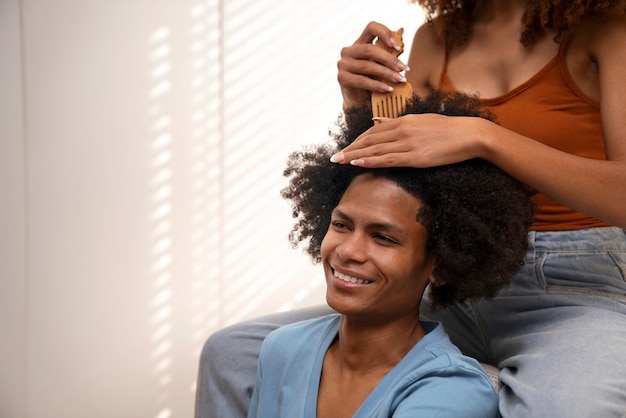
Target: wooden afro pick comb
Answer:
[[392, 104]]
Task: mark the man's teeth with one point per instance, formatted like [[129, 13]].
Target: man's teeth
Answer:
[[350, 279]]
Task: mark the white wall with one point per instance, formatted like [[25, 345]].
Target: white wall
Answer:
[[141, 150], [13, 282]]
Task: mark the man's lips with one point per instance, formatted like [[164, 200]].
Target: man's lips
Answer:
[[350, 279]]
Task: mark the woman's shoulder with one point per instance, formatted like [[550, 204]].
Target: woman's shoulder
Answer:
[[426, 58], [595, 51], [600, 37]]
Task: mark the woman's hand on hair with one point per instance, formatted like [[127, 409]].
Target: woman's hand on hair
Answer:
[[423, 140]]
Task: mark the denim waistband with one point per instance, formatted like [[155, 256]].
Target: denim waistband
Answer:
[[591, 239]]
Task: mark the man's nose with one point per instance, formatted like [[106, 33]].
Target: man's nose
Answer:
[[353, 248]]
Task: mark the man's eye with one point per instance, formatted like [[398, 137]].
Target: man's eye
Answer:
[[338, 224], [384, 238]]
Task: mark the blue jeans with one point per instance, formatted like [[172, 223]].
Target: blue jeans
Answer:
[[557, 333]]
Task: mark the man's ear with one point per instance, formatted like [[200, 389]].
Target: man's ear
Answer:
[[433, 279]]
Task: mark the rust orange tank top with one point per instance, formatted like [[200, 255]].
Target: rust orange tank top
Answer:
[[551, 109]]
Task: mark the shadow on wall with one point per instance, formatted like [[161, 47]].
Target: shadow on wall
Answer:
[[253, 83]]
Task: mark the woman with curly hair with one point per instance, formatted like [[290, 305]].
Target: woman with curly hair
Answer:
[[553, 73], [382, 235]]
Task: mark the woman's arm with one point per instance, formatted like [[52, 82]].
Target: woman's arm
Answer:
[[594, 187]]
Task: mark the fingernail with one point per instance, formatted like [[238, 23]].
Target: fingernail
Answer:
[[400, 78], [356, 162], [395, 44], [403, 67], [337, 158]]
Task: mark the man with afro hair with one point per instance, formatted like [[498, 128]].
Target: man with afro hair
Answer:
[[553, 73], [383, 236]]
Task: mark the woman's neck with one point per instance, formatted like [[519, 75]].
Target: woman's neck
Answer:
[[499, 10]]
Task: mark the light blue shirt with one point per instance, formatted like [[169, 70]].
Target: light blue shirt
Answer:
[[433, 380]]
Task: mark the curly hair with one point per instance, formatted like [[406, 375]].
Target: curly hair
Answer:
[[453, 18], [476, 216]]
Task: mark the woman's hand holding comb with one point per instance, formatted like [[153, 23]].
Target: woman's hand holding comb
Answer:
[[365, 67]]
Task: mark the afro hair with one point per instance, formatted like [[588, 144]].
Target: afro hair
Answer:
[[453, 18], [476, 216]]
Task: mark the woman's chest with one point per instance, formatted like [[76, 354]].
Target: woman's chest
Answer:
[[493, 68]]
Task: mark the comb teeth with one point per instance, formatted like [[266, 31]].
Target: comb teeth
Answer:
[[390, 106]]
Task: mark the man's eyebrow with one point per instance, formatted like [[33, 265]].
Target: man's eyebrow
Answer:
[[341, 214]]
